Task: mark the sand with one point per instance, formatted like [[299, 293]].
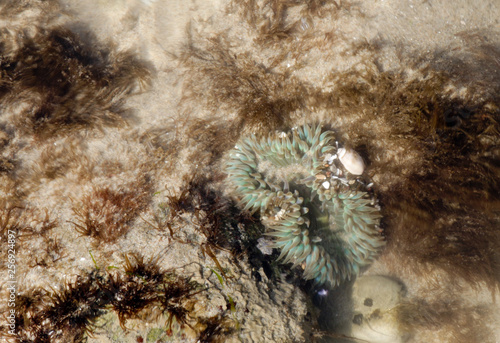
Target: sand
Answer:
[[174, 126]]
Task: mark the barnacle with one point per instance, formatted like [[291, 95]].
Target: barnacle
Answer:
[[324, 218]]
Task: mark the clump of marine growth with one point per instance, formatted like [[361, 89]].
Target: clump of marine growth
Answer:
[[325, 218]]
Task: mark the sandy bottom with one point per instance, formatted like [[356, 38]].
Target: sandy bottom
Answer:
[[138, 171]]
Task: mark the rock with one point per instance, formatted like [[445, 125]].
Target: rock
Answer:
[[374, 317]]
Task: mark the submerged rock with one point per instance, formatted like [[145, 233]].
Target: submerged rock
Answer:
[[374, 320]]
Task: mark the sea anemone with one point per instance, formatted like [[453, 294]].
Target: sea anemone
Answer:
[[326, 217]]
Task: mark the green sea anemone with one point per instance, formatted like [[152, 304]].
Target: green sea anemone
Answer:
[[324, 218]]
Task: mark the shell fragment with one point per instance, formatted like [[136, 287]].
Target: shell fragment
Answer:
[[351, 160]]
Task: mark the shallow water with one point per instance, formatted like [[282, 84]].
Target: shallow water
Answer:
[[116, 121]]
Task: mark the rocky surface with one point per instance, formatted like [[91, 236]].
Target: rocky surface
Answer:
[[115, 121]]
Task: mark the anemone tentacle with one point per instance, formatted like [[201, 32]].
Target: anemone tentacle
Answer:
[[323, 219]]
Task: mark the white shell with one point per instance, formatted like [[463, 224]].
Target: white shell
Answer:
[[351, 161], [326, 185], [265, 246]]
